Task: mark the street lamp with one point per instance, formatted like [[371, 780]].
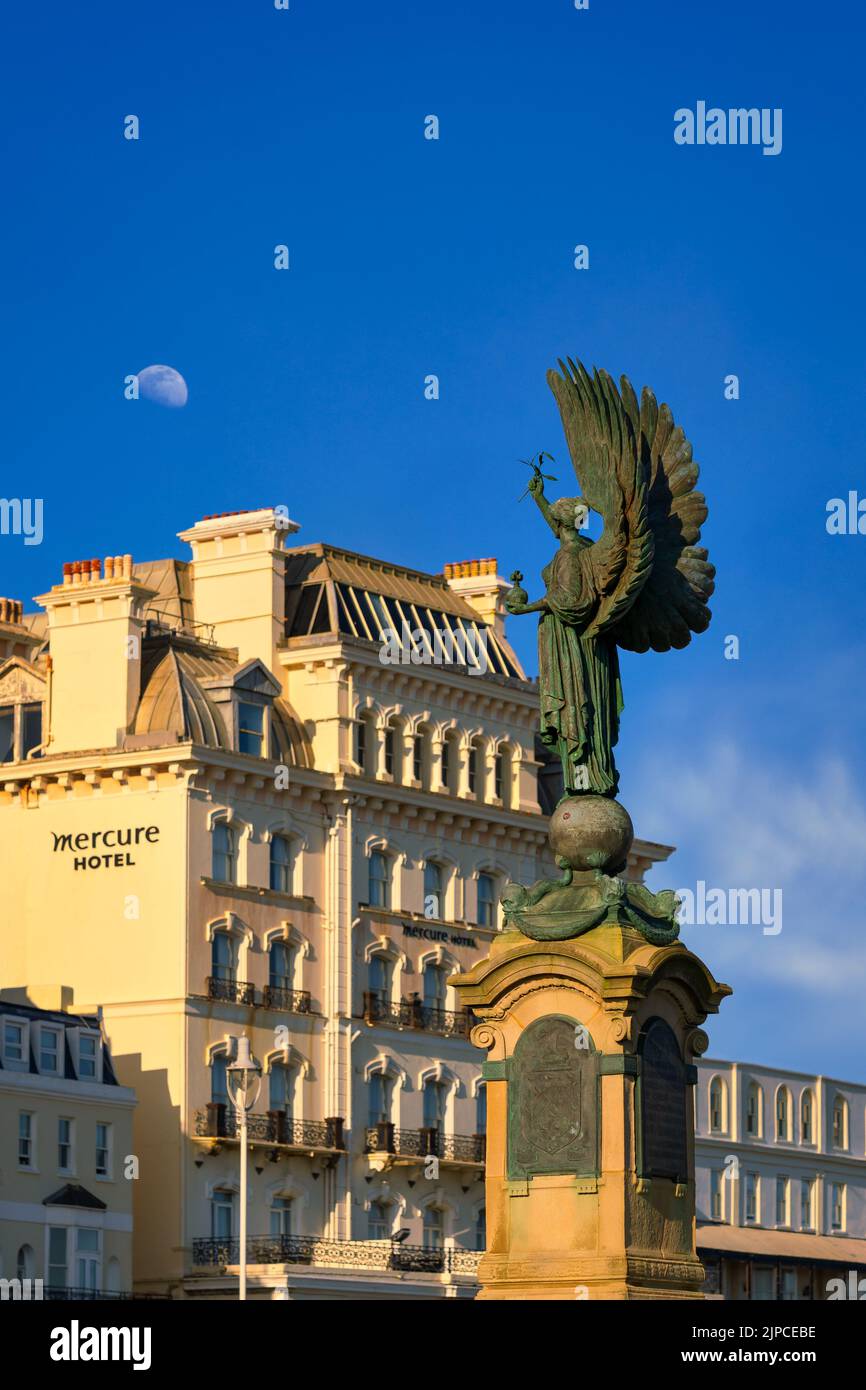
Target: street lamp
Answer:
[[243, 1078]]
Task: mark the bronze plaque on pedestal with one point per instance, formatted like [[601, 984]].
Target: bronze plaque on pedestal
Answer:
[[663, 1096], [553, 1101]]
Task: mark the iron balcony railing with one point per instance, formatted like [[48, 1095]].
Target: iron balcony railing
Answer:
[[335, 1254], [412, 1013], [60, 1293], [291, 1001], [427, 1142], [220, 1121]]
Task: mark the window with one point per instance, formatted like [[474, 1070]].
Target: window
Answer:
[[281, 1216], [474, 763], [25, 1263], [782, 1209], [31, 728], [806, 1117], [418, 758], [380, 975], [783, 1113], [717, 1105], [391, 751], [103, 1150], [447, 772], [64, 1145], [219, 1090], [807, 1204], [486, 900], [282, 1081], [789, 1284], [281, 965], [361, 744], [840, 1123], [222, 1214], [434, 988], [87, 1261], [481, 1109], [281, 864], [434, 1228], [224, 857], [49, 1051], [381, 1090], [380, 886], [57, 1257], [752, 1182], [435, 1096], [13, 1044], [251, 722], [25, 1140], [481, 1229], [432, 889], [716, 1194], [222, 957], [379, 1222], [87, 1057], [754, 1110], [837, 1206], [7, 734]]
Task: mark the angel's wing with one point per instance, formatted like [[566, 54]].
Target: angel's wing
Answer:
[[602, 430], [667, 580]]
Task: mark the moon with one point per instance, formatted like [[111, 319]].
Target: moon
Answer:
[[164, 386]]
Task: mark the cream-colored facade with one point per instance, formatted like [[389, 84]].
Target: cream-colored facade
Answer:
[[65, 1140], [244, 813]]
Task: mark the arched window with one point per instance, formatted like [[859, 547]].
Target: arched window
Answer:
[[281, 1216], [840, 1123], [718, 1105], [281, 1091], [224, 866], [26, 1262], [418, 758], [435, 1098], [806, 1118], [486, 913], [476, 768], [433, 905], [450, 760], [380, 1221], [755, 1110], [381, 1091], [223, 953], [361, 743], [783, 1113], [281, 864], [380, 880], [393, 751], [434, 1228]]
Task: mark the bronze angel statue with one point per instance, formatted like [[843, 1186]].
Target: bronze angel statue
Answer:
[[643, 584]]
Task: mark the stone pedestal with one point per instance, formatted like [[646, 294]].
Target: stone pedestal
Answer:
[[590, 1145]]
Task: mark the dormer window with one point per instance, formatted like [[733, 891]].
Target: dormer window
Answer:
[[49, 1051], [20, 731], [251, 729], [15, 1045], [88, 1053]]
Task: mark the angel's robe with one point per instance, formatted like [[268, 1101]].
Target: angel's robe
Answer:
[[580, 689]]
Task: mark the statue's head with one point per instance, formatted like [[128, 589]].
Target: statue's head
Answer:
[[570, 513]]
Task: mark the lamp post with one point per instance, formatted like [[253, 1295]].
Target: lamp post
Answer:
[[243, 1078]]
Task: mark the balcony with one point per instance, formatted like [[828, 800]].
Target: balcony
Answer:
[[337, 1254], [412, 1013], [417, 1144], [290, 1001], [275, 1129]]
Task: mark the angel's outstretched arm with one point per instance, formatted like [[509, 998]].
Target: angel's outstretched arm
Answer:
[[536, 490]]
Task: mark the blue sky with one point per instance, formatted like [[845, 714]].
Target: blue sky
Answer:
[[455, 257]]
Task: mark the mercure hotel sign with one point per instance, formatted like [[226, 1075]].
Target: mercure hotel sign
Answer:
[[114, 846]]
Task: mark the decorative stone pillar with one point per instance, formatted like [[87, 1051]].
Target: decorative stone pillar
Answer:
[[590, 1143]]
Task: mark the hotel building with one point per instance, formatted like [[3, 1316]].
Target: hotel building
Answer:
[[780, 1161], [226, 807]]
